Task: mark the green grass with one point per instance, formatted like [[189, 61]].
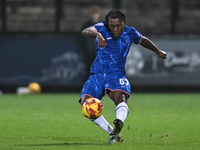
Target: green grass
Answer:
[[55, 122]]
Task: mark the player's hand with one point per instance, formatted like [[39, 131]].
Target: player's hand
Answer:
[[101, 41], [162, 54]]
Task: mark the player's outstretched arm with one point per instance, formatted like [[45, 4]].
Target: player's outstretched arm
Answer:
[[145, 42], [91, 32]]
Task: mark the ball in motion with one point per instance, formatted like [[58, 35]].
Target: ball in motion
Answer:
[[92, 108], [34, 87]]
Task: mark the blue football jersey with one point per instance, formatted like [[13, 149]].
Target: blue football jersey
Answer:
[[113, 57]]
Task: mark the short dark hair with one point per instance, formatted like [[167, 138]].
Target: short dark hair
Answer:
[[115, 13]]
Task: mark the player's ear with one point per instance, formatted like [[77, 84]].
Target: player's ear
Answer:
[[124, 21]]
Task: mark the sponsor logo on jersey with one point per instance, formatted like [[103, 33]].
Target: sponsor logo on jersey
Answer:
[[109, 38]]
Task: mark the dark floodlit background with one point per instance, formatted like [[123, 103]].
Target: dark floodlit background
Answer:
[[41, 41]]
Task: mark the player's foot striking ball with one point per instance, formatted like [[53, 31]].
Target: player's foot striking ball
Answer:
[[92, 108]]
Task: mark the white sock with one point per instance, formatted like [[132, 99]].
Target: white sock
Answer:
[[121, 111], [103, 124]]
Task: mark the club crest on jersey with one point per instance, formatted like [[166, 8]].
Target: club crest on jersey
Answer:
[[127, 41]]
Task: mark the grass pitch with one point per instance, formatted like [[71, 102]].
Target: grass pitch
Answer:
[[55, 122]]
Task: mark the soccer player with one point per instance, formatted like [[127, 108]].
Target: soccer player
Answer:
[[107, 73]]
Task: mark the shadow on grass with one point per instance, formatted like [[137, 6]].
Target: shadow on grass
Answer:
[[61, 144], [62, 141]]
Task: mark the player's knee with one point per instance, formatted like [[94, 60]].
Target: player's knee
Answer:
[[120, 98], [84, 98]]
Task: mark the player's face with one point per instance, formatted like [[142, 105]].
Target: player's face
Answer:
[[116, 26]]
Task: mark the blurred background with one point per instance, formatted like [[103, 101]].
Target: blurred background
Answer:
[[41, 41]]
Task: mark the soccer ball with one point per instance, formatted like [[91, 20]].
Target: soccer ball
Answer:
[[34, 87], [92, 108]]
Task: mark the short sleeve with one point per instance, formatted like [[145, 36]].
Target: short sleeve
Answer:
[[135, 35], [99, 26]]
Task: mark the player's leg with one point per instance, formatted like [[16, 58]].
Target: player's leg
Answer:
[[118, 89], [90, 89], [120, 100]]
